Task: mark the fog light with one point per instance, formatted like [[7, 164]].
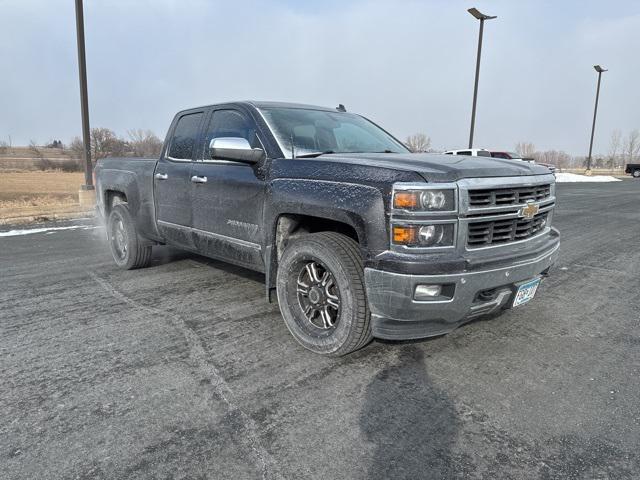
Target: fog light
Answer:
[[427, 292]]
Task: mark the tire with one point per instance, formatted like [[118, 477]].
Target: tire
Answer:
[[636, 173], [327, 329], [127, 248]]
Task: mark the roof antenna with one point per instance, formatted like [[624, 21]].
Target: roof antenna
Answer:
[[341, 108]]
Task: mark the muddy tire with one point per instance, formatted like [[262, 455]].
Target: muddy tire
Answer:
[[128, 249], [320, 286]]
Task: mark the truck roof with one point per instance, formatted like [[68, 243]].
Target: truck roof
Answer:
[[266, 104]]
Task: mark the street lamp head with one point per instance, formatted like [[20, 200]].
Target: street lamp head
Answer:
[[599, 69], [480, 16]]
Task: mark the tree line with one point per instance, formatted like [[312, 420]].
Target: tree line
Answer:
[[144, 143], [104, 143], [622, 149]]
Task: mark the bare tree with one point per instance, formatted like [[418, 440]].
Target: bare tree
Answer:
[[105, 143], [631, 147], [76, 147], [144, 143], [418, 142], [34, 149], [525, 149], [554, 157], [5, 147], [40, 161], [614, 148]]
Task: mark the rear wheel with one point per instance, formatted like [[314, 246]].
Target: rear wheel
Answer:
[[636, 173], [127, 248], [321, 294]]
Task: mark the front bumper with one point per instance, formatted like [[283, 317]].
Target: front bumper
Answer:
[[396, 315]]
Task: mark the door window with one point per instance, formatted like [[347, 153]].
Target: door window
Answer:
[[184, 137], [230, 123]]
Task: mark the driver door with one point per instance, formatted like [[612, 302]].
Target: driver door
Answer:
[[228, 196]]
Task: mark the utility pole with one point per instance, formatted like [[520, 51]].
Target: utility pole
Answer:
[[482, 17], [84, 101], [598, 69]]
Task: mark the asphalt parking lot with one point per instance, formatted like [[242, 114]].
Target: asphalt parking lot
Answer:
[[182, 370]]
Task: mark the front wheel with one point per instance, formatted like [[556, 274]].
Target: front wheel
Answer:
[[321, 294], [636, 173], [127, 248]]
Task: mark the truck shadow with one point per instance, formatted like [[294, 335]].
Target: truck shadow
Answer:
[[412, 423]]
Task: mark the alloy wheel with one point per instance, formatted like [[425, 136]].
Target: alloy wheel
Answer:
[[318, 295]]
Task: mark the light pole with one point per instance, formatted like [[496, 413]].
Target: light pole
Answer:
[[84, 101], [598, 69], [482, 17]]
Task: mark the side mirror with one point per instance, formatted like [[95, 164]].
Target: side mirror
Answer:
[[236, 149]]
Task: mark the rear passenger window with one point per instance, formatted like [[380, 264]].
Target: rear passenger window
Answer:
[[184, 137], [464, 152]]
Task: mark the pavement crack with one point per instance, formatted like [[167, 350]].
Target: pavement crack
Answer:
[[198, 355]]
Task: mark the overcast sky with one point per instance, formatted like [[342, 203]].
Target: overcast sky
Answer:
[[408, 65]]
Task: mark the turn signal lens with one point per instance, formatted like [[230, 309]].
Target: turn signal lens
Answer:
[[406, 200], [405, 235]]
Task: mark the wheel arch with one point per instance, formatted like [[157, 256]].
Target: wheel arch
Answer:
[[304, 206]]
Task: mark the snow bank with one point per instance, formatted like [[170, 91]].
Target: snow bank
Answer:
[[15, 233], [573, 178]]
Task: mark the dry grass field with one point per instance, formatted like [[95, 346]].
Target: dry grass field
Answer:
[[38, 194]]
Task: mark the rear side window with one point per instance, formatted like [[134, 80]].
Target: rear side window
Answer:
[[484, 153], [184, 137], [230, 123], [464, 152]]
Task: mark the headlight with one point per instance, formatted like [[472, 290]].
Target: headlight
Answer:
[[431, 200], [435, 235]]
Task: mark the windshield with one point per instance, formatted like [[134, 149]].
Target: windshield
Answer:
[[320, 131]]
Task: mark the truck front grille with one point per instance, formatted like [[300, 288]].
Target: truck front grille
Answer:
[[498, 197], [496, 232]]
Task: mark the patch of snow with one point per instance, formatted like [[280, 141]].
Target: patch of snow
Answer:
[[574, 178], [48, 230]]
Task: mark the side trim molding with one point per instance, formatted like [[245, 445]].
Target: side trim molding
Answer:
[[236, 241]]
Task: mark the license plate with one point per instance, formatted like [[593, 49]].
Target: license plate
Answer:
[[526, 292]]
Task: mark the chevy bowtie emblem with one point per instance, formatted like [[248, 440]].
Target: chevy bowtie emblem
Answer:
[[529, 210]]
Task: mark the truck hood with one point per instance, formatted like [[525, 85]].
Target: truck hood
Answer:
[[439, 167]]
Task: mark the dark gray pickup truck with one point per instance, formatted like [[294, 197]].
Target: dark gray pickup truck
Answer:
[[358, 237], [632, 169]]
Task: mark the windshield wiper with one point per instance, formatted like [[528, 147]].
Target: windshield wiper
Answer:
[[314, 154], [382, 151], [317, 154]]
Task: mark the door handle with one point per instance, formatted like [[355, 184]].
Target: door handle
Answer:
[[161, 176], [197, 179]]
